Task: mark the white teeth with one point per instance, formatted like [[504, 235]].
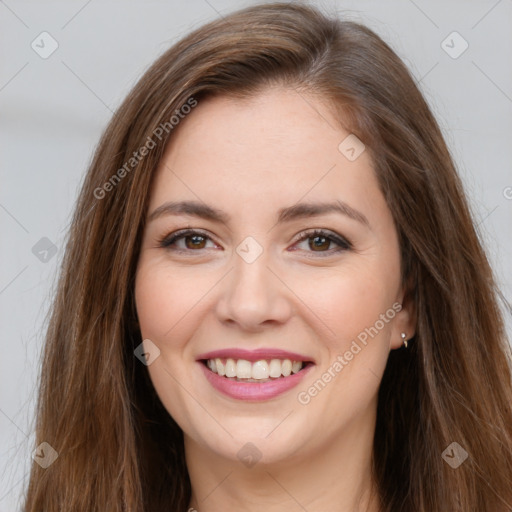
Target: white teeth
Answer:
[[230, 368], [220, 367], [243, 369], [275, 368], [259, 370], [286, 367]]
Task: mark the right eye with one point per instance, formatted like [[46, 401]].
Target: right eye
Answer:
[[186, 240]]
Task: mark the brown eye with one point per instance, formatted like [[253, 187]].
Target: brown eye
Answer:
[[195, 242], [323, 242], [187, 240], [319, 243]]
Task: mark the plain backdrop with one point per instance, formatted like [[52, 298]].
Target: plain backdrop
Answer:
[[54, 109]]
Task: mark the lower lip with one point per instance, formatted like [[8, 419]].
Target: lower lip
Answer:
[[254, 391]]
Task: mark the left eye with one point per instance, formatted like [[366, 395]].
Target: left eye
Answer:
[[321, 241]]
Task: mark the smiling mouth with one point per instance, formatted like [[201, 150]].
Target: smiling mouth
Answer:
[[264, 370]]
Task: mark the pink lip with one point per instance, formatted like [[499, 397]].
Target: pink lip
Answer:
[[252, 355], [253, 391]]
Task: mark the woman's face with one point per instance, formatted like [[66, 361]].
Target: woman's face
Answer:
[[291, 264]]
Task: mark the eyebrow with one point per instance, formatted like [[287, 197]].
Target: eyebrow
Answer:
[[297, 211]]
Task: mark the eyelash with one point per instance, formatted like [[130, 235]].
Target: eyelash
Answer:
[[342, 243]]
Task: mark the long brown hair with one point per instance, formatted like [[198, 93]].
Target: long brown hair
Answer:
[[119, 449]]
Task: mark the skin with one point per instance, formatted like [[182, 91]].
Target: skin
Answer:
[[250, 158]]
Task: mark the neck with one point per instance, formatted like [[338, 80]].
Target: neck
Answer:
[[333, 475]]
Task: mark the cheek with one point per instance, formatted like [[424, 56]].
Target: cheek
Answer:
[[165, 298], [164, 301], [168, 305], [347, 302], [357, 306], [156, 303]]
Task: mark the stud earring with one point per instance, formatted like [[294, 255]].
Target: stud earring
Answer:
[[404, 339]]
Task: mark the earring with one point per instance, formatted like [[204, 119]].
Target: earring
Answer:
[[404, 340]]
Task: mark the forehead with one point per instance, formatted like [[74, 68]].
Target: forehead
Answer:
[[277, 123], [278, 146]]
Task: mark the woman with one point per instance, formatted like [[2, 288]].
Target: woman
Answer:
[[273, 296]]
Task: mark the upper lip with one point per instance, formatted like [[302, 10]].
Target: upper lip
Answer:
[[253, 355]]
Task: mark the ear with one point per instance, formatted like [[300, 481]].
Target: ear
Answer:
[[404, 321]]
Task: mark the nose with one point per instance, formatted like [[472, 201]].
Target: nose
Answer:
[[253, 296]]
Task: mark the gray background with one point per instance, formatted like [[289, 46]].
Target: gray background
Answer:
[[53, 110]]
